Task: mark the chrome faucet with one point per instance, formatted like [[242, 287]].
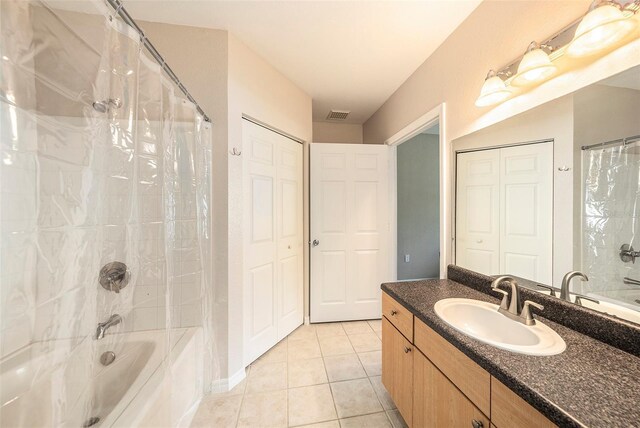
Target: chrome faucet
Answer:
[[114, 319], [514, 308], [566, 283]]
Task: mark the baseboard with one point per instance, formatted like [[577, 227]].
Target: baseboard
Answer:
[[227, 384]]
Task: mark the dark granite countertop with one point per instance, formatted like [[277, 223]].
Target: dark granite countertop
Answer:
[[590, 384]]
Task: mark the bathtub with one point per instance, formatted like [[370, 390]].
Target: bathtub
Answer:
[[61, 383]]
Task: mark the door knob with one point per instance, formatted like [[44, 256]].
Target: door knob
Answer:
[[315, 243], [393, 312], [407, 349]]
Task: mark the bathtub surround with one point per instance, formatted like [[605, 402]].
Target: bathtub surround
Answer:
[[594, 383]]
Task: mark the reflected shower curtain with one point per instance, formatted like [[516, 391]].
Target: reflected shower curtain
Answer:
[[101, 161], [611, 218]]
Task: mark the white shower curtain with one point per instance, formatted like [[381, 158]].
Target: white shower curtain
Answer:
[[611, 218], [101, 160]]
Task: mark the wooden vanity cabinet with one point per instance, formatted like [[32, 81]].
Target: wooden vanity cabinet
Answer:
[[437, 401], [433, 384], [397, 368]]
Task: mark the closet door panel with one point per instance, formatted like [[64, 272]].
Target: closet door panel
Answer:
[[272, 238], [526, 193], [478, 211]]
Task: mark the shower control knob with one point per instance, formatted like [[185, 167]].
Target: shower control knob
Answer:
[[114, 276]]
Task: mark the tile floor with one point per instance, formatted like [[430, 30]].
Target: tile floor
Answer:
[[321, 375]]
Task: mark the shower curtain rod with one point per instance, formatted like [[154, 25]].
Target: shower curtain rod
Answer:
[[118, 6], [619, 141]]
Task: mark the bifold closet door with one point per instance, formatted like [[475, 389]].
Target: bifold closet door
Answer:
[[478, 211], [526, 216], [273, 239], [504, 211]]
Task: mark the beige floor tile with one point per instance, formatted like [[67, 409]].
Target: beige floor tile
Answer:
[[330, 329], [396, 419], [267, 377], [374, 420], [267, 409], [381, 392], [219, 412], [355, 398], [376, 325], [372, 362], [330, 424], [306, 372], [365, 342], [303, 332], [304, 349], [355, 327], [335, 345], [274, 355], [311, 404], [344, 367]]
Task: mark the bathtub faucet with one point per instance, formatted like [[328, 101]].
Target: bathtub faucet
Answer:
[[114, 319]]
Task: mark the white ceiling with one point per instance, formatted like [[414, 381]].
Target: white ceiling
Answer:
[[348, 55]]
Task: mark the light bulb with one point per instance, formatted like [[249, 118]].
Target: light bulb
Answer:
[[493, 91], [602, 27], [534, 67]]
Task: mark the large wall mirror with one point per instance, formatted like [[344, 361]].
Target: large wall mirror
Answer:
[[556, 191]]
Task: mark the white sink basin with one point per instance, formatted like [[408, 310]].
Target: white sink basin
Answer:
[[482, 321]]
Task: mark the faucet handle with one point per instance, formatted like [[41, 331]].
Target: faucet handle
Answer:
[[580, 297], [504, 304], [551, 289], [526, 311]]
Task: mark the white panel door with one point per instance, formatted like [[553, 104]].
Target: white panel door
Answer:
[[273, 240], [526, 226], [478, 211], [349, 230]]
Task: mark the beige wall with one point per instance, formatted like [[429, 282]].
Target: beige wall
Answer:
[[228, 80], [260, 91], [327, 132], [493, 35]]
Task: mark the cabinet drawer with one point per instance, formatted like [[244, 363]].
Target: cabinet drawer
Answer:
[[468, 376], [510, 411], [437, 403], [398, 315]]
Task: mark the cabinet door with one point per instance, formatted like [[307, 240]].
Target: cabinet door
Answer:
[[397, 369], [437, 402]]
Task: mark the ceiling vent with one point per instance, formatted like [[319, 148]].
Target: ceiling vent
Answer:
[[337, 115]]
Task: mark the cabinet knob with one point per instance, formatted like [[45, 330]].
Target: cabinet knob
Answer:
[[407, 349], [393, 312], [477, 424]]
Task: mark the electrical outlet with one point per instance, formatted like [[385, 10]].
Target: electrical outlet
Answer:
[[407, 258]]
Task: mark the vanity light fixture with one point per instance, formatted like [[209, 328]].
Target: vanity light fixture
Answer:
[[604, 25], [607, 23], [535, 66], [493, 90]]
